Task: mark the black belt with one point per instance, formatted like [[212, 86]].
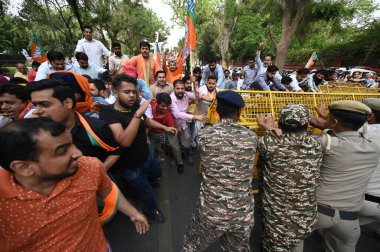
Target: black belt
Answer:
[[372, 198], [344, 215]]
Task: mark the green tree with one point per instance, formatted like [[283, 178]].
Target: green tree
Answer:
[[126, 21]]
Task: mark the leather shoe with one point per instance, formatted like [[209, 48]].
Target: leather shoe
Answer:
[[190, 160], [156, 215]]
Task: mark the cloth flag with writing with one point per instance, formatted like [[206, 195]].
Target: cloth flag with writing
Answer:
[[38, 53], [190, 37]]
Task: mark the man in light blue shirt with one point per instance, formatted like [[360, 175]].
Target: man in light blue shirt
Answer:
[[82, 66], [267, 81], [56, 62], [212, 69], [233, 83], [249, 73]]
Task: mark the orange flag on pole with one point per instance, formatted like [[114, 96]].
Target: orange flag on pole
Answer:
[[38, 53], [311, 61], [190, 38]]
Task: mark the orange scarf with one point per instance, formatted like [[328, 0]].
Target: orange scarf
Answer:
[[83, 106], [24, 112]]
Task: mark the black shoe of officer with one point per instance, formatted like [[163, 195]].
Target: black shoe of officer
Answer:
[[156, 215], [180, 168], [155, 183]]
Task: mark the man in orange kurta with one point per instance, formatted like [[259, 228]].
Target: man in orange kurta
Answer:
[[146, 66], [174, 71]]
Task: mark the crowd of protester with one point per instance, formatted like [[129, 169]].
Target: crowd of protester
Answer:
[[72, 134]]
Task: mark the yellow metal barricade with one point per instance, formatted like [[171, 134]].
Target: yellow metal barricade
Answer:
[[264, 103], [352, 88]]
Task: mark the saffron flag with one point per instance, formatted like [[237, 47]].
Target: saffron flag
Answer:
[[313, 58], [38, 53], [190, 36]]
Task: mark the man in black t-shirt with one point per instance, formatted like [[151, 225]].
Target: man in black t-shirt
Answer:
[[128, 124], [55, 100]]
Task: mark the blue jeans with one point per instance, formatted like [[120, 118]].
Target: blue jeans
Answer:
[[138, 178]]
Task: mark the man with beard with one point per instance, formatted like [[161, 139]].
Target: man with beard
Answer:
[[207, 94], [161, 86], [146, 66], [311, 83], [50, 177], [128, 124], [179, 107], [115, 61], [188, 84], [212, 69], [94, 49], [267, 81], [84, 67], [56, 101]]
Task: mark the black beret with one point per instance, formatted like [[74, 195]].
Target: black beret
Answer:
[[231, 98]]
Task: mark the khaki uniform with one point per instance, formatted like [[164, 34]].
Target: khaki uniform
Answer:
[[225, 204], [348, 163]]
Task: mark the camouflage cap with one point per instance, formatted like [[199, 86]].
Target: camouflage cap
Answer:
[[294, 115]]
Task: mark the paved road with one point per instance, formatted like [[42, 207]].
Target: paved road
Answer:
[[177, 196]]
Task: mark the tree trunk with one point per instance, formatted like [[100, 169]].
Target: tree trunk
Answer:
[[282, 51], [225, 45], [289, 27]]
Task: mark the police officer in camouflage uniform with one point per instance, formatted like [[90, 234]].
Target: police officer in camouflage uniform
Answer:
[[225, 205], [289, 170]]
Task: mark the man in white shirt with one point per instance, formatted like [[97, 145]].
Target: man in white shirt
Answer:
[[82, 66], [56, 62], [115, 61], [262, 66], [298, 77], [94, 49]]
